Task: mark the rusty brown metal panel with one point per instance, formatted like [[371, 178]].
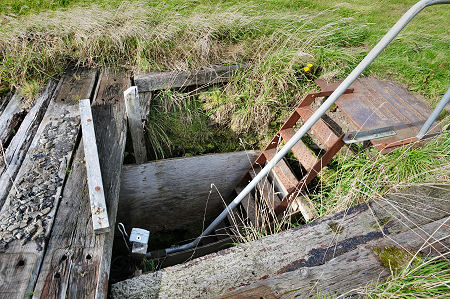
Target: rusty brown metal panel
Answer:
[[300, 150], [320, 128], [294, 192], [377, 103]]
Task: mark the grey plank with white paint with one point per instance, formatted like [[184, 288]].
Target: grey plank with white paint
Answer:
[[94, 175], [135, 124]]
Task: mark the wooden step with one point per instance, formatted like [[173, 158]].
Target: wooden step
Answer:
[[304, 205], [320, 128], [268, 196], [249, 205], [300, 150], [282, 175]]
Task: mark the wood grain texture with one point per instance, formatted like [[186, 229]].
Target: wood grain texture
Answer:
[[77, 261], [145, 99], [10, 117], [21, 141], [176, 79], [314, 257], [94, 175], [171, 194], [38, 187], [135, 124]]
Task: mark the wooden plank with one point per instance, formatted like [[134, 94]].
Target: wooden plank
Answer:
[[329, 256], [305, 206], [77, 261], [94, 175], [168, 194], [145, 99], [27, 216], [134, 115], [267, 192], [10, 117], [18, 147], [249, 205], [281, 174], [175, 79]]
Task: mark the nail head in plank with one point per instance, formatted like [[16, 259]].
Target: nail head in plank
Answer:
[[135, 123], [96, 193]]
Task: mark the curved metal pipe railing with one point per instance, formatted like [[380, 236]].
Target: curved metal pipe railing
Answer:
[[392, 33]]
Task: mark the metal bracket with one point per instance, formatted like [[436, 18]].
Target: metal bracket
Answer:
[[360, 136], [139, 241]]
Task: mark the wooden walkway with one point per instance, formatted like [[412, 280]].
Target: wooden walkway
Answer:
[[47, 245]]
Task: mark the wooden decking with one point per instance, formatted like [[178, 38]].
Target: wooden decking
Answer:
[[48, 247]]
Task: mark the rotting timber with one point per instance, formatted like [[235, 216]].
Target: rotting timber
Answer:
[[48, 247]]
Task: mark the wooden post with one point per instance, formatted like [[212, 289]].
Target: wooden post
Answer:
[[96, 195], [135, 124]]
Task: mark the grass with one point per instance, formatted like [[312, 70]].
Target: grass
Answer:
[[368, 175], [278, 38], [424, 278]]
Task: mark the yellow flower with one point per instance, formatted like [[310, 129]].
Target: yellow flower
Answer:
[[306, 68], [309, 65]]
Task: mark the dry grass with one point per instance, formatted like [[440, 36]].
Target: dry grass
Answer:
[[135, 36]]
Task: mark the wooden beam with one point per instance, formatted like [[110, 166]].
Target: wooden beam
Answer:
[[27, 216], [168, 194], [329, 256], [18, 147], [134, 116], [176, 79], [77, 261], [10, 117], [94, 175]]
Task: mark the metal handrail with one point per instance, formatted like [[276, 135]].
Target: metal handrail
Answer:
[[392, 33]]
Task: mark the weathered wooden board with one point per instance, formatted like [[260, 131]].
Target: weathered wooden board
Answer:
[[4, 100], [94, 175], [10, 117], [18, 147], [331, 255], [134, 115], [27, 216], [145, 99], [175, 79], [77, 262], [171, 194]]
